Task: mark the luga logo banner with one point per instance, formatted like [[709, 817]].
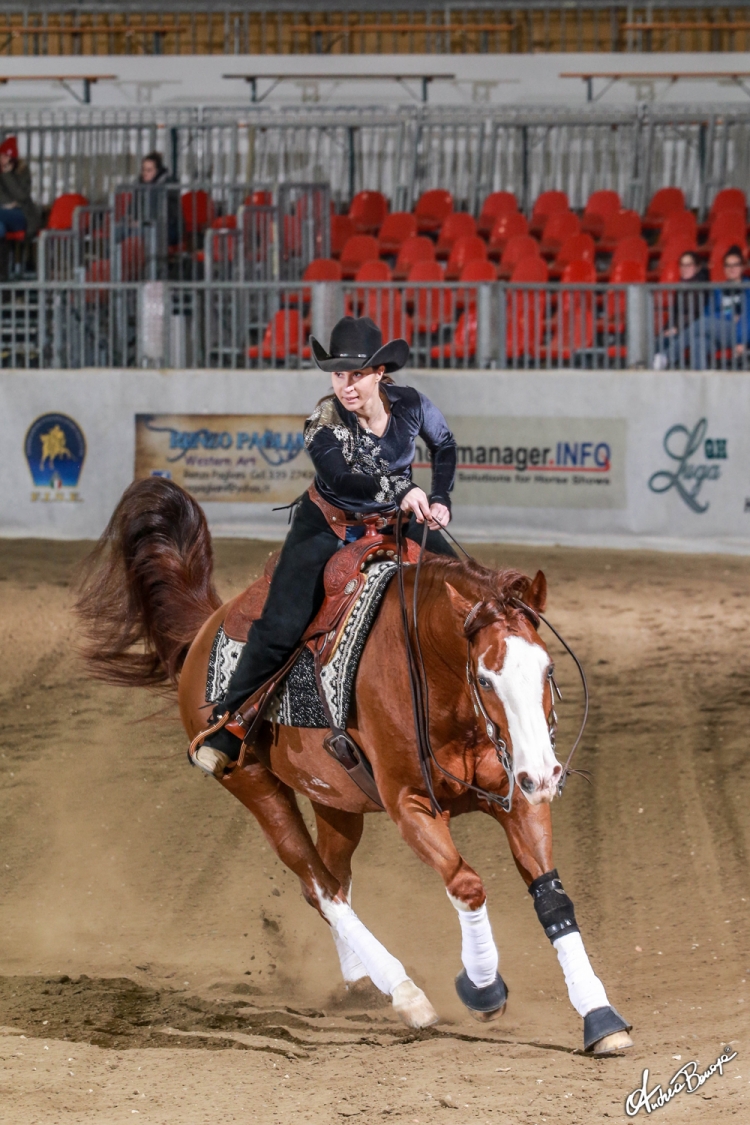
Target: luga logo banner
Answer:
[[537, 462], [257, 458], [695, 459]]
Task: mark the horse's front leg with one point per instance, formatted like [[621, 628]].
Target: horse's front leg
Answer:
[[529, 831], [479, 986]]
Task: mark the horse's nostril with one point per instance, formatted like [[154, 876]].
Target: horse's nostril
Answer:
[[526, 784], [557, 771]]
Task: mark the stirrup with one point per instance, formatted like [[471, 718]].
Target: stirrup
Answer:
[[201, 737]]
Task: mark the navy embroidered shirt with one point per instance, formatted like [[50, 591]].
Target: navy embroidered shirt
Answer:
[[360, 472]]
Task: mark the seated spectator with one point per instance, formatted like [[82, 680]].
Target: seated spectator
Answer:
[[685, 307], [164, 205], [154, 171], [723, 324], [18, 212]]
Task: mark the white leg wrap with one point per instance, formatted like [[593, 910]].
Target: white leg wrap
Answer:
[[478, 950], [585, 990], [351, 967], [385, 972]]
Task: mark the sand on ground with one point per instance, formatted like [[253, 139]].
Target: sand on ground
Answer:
[[156, 960]]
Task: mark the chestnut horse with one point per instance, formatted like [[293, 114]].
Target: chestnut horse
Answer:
[[151, 614]]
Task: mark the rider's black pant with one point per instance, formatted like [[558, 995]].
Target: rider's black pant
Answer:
[[294, 597]]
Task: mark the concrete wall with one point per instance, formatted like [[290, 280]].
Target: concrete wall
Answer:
[[479, 80]]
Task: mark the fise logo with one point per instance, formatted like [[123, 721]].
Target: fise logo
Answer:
[[55, 451], [698, 459]]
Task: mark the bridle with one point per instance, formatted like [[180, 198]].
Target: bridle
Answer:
[[420, 691]]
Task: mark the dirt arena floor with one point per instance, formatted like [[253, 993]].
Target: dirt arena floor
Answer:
[[155, 960]]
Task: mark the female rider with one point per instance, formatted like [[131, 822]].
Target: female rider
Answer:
[[361, 440]]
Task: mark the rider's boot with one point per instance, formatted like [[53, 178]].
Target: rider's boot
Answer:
[[217, 749]]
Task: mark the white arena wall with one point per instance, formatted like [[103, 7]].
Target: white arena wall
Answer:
[[619, 459], [522, 80]]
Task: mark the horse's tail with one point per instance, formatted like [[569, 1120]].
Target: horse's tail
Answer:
[[147, 587]]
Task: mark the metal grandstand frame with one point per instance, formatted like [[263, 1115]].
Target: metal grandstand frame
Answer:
[[400, 152], [101, 27]]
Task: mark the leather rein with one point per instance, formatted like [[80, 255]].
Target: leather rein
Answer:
[[420, 691]]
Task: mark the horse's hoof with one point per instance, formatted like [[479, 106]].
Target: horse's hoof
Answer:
[[619, 1041], [487, 1017], [412, 1006], [485, 1003], [604, 1030]]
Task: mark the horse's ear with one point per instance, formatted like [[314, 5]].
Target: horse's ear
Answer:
[[536, 595], [461, 604]]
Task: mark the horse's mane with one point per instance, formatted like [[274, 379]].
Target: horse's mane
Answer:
[[497, 591]]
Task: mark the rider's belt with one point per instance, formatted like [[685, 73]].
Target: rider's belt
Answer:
[[338, 520]]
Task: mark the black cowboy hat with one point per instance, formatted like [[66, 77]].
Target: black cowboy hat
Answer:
[[357, 342]]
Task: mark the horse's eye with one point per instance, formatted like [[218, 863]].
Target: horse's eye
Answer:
[[484, 682]]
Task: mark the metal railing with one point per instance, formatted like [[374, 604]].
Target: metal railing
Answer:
[[449, 326], [243, 27], [401, 152]]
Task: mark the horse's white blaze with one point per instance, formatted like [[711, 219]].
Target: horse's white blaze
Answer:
[[478, 950], [585, 990], [519, 686]]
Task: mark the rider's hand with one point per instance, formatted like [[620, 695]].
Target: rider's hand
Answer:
[[441, 515], [416, 501]]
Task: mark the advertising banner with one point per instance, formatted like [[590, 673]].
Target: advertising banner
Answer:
[[610, 459], [226, 458]]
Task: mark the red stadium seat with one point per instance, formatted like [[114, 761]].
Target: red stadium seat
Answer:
[[367, 211], [560, 226], [678, 225], [577, 248], [418, 249], [477, 270], [396, 228], [319, 269], [518, 247], [457, 225], [259, 199], [672, 252], [615, 306], [132, 255], [282, 338], [61, 215], [506, 226], [342, 229], [322, 269], [497, 204], [464, 345], [579, 273], [432, 208], [669, 272], [432, 307], [663, 203], [373, 270], [224, 222], [358, 249], [628, 250], [531, 270], [464, 250], [728, 226], [625, 224], [546, 204], [728, 199], [197, 211], [524, 319], [385, 307], [600, 205]]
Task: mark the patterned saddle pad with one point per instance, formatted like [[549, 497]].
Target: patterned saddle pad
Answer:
[[297, 703]]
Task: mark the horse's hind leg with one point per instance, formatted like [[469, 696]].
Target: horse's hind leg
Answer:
[[529, 832], [274, 806], [338, 836]]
